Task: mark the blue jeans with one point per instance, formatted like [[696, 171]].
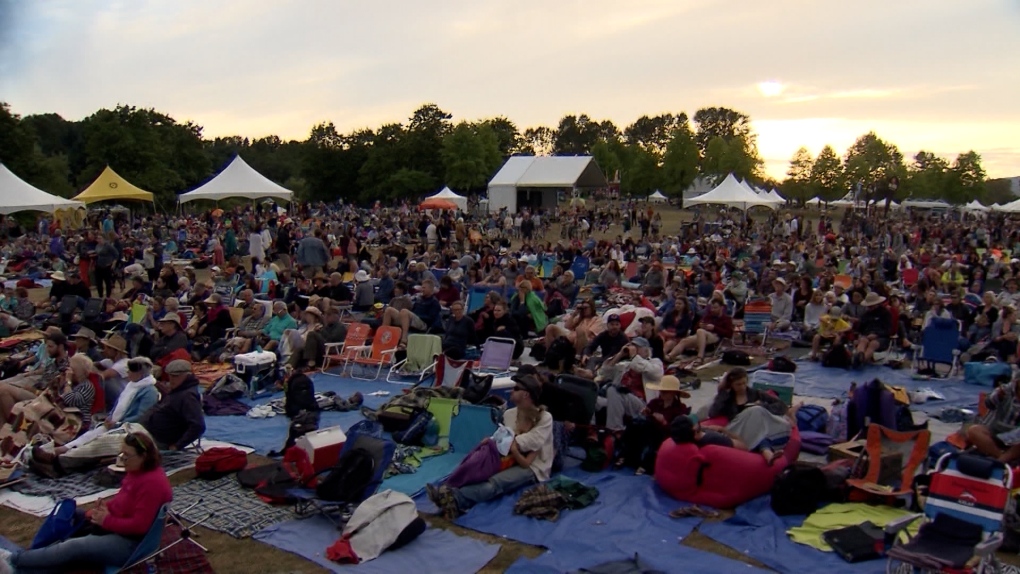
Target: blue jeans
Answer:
[[106, 549], [501, 483]]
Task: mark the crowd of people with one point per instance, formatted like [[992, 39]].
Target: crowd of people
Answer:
[[624, 311]]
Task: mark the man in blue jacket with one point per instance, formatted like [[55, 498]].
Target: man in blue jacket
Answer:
[[312, 254]]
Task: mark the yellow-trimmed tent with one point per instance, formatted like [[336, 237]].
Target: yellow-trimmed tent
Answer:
[[108, 186]]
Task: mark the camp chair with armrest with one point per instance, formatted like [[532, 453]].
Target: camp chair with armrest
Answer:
[[580, 266], [757, 317], [236, 316], [940, 342], [378, 355], [420, 362], [148, 548], [497, 353], [450, 372], [888, 463], [963, 518], [341, 353]]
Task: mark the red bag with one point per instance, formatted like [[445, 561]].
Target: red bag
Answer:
[[220, 461]]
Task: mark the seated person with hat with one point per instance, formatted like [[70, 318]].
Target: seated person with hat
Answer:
[[209, 334], [626, 375], [874, 330], [177, 419], [247, 333], [643, 435], [85, 343], [169, 337], [113, 369], [782, 306], [527, 469]]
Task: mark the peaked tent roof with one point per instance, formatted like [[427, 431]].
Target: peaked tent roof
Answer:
[[18, 195], [550, 171], [238, 179], [773, 194], [975, 205], [730, 192], [657, 196], [110, 185], [447, 193]]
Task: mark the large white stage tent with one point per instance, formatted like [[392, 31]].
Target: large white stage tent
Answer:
[[535, 181], [238, 179]]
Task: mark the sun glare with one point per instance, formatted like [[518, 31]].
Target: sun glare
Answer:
[[771, 88]]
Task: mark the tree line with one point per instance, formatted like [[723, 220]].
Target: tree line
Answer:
[[407, 160]]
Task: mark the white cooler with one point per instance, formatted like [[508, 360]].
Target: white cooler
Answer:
[[251, 367], [323, 447]]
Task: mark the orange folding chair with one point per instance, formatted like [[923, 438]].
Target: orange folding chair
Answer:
[[379, 355], [889, 462], [341, 353]]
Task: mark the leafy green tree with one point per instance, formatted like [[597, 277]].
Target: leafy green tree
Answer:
[[576, 135], [643, 175], [927, 176], [798, 181], [386, 155], [722, 123], [827, 176], [538, 141], [508, 137], [872, 162], [680, 161], [655, 133], [407, 183], [471, 156], [20, 153], [609, 160]]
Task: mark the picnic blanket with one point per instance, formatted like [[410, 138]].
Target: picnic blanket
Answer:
[[208, 373], [83, 484], [235, 510], [436, 551], [814, 380], [183, 558]]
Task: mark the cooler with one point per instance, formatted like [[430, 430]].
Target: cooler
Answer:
[[253, 368], [781, 384], [323, 447], [502, 387]]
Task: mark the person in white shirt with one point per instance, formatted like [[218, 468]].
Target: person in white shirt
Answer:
[[782, 306], [636, 357], [431, 234], [526, 470]]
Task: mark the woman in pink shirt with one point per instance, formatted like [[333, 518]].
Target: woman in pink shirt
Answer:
[[114, 528]]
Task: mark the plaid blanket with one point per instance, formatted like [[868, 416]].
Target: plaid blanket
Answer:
[[236, 510], [83, 484], [183, 558]]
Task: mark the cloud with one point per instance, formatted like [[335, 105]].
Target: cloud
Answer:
[[256, 67]]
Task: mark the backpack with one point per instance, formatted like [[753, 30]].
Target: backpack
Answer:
[[220, 461], [782, 365], [230, 386], [349, 478], [837, 357], [415, 432], [798, 490], [736, 358], [476, 387], [561, 355], [396, 418], [812, 418]]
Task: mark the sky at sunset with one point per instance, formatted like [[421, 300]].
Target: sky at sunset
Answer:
[[939, 75]]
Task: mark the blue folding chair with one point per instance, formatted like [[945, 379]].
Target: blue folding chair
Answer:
[[148, 548], [476, 297], [547, 268], [580, 266], [940, 342]]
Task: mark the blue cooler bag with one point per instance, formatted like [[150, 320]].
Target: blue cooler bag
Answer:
[[985, 374]]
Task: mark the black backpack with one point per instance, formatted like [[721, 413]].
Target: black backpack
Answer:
[[799, 490], [837, 357], [736, 358], [350, 477], [782, 365]]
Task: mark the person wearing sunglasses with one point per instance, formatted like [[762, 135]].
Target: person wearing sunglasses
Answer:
[[113, 529]]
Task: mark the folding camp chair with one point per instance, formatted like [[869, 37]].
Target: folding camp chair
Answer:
[[888, 463], [909, 277], [357, 334], [547, 268], [940, 342], [496, 356], [308, 502], [148, 548], [757, 317], [476, 297], [450, 372], [967, 498], [378, 355], [420, 362], [580, 266]]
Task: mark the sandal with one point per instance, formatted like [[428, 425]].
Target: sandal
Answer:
[[639, 472]]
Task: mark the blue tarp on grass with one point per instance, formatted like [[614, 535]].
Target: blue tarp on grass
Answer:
[[435, 551], [814, 380], [756, 531], [631, 515]]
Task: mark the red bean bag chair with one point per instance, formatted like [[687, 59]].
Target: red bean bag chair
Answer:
[[718, 476]]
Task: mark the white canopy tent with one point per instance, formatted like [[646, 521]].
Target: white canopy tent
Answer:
[[775, 195], [238, 179], [536, 180], [657, 197], [845, 201], [974, 205], [18, 195], [814, 201], [1011, 207], [926, 204], [449, 194], [732, 193]]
